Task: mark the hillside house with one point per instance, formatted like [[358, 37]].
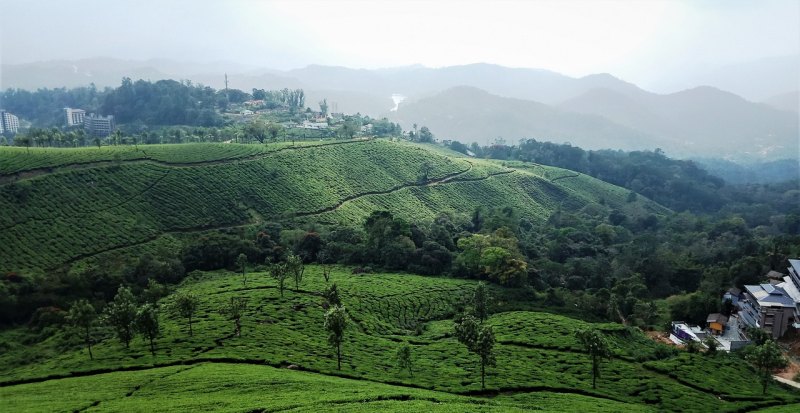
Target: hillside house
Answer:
[[314, 125], [767, 307], [683, 332], [732, 295], [716, 322]]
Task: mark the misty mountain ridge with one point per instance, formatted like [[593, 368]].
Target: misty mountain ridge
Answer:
[[597, 110], [755, 80], [789, 101], [703, 119], [470, 114]]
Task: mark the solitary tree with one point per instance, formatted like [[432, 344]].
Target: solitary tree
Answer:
[[241, 263], [766, 358], [120, 314], [234, 310], [332, 295], [595, 345], [279, 272], [147, 324], [712, 345], [757, 335], [425, 135], [404, 359], [82, 316], [154, 291], [323, 107], [186, 305], [335, 324], [424, 170], [480, 302], [324, 260], [295, 266], [479, 339], [274, 130]]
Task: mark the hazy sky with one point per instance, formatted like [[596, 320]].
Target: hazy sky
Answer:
[[638, 41]]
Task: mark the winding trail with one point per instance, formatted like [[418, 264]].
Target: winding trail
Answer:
[[447, 179], [558, 178]]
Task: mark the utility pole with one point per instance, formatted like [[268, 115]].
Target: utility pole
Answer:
[[226, 86]]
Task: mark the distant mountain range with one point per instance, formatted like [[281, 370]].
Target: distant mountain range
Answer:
[[469, 114], [480, 102]]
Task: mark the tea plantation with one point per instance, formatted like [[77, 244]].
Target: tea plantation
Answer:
[[540, 365], [61, 206], [69, 210]]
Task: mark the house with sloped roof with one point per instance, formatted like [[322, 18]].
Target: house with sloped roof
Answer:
[[768, 307], [732, 295], [716, 322]]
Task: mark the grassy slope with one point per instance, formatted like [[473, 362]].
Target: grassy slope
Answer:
[[238, 387], [70, 213], [539, 361]]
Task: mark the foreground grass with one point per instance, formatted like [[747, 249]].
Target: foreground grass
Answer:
[[539, 361], [236, 387]]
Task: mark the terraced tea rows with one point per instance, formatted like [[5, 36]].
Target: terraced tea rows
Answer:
[[128, 204], [26, 161], [538, 357], [61, 217]]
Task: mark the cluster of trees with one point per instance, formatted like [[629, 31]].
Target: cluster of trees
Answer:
[[423, 135], [45, 107], [164, 102], [142, 102], [124, 315], [257, 130], [677, 184], [600, 261], [293, 99]]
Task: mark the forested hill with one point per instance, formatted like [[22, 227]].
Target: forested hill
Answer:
[[681, 185]]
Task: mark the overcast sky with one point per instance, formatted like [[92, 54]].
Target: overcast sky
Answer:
[[639, 41]]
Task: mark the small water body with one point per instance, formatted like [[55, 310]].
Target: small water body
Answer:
[[397, 99]]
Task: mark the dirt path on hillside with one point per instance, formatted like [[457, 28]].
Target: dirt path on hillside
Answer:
[[447, 179]]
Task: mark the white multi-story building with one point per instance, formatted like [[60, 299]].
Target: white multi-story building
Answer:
[[98, 126], [75, 117], [8, 122]]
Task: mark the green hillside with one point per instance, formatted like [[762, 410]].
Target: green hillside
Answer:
[[64, 205], [77, 223], [539, 362]]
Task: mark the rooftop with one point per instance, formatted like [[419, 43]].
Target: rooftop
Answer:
[[770, 295], [716, 318], [735, 291], [795, 265], [790, 288], [775, 275]]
